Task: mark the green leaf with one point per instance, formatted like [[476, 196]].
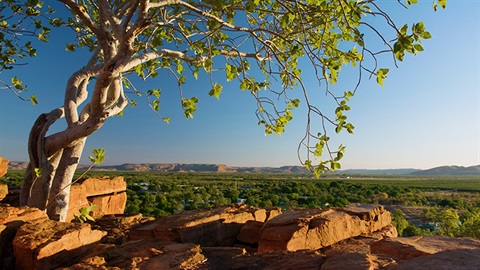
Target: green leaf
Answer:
[[154, 92], [216, 91], [195, 73], [347, 95], [189, 106], [231, 72], [381, 74], [33, 99], [308, 165], [180, 68], [335, 166], [41, 37], [181, 80], [166, 120], [419, 27], [404, 29], [207, 65], [98, 156], [426, 35], [156, 105], [442, 3], [38, 172], [17, 83], [418, 47], [70, 47]]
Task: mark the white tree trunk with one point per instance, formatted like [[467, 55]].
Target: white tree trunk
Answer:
[[59, 197]]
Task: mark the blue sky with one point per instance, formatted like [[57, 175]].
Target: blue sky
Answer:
[[426, 115]]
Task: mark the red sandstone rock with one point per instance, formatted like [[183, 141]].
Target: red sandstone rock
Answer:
[[3, 166], [221, 257], [109, 204], [3, 191], [316, 228], [461, 259], [404, 248], [250, 232], [388, 231], [48, 244], [374, 216], [11, 218], [144, 254], [118, 226], [273, 212], [351, 261], [109, 196], [234, 258], [216, 227], [279, 260], [100, 186]]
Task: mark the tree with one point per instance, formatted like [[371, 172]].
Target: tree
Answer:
[[260, 44]]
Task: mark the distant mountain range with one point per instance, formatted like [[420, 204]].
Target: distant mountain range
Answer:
[[221, 168], [451, 170]]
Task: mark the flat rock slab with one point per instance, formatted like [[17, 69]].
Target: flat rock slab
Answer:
[[300, 260], [100, 186], [404, 248], [316, 228], [48, 244], [462, 259], [351, 261], [109, 196], [144, 254], [218, 226]]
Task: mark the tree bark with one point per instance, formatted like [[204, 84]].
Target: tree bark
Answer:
[[35, 189], [59, 197]]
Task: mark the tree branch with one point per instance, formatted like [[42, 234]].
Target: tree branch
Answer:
[[82, 14]]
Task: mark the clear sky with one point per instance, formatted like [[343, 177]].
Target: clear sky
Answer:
[[426, 115]]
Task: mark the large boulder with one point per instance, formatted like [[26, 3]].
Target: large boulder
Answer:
[[48, 244], [317, 228], [11, 218], [218, 226], [404, 248], [109, 196]]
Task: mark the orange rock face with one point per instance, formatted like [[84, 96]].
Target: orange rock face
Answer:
[[404, 248], [316, 228], [344, 238], [144, 254], [217, 227], [109, 196], [3, 166], [3, 191], [48, 244], [11, 218], [250, 232], [460, 259]]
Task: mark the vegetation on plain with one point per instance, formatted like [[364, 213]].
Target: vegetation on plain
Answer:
[[443, 206]]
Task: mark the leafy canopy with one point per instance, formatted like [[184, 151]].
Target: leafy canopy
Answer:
[[262, 45]]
